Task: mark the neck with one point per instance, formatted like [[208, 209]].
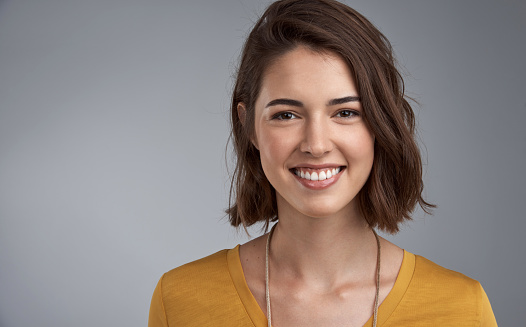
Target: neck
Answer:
[[326, 250]]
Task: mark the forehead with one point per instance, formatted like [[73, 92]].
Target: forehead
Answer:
[[305, 73], [295, 61]]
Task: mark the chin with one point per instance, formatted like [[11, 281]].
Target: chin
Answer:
[[323, 210]]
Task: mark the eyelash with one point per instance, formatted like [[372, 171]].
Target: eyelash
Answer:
[[351, 113], [280, 115]]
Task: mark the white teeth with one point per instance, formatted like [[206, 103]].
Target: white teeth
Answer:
[[315, 176], [322, 176]]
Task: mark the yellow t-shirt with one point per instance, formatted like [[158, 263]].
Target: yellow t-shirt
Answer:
[[213, 292]]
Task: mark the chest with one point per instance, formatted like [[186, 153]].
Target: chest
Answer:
[[347, 306]]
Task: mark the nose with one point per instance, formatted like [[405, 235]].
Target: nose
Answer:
[[316, 138]]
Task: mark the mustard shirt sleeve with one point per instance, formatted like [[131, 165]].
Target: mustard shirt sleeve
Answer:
[[487, 316], [157, 316]]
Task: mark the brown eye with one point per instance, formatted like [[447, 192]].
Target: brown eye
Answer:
[[347, 113], [284, 116]]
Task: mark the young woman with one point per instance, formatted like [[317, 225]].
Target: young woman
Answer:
[[325, 148]]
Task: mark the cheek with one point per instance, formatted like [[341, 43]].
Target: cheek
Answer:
[[368, 154], [273, 145], [362, 148], [275, 148], [366, 147]]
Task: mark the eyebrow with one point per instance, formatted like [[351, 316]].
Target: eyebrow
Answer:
[[334, 102], [287, 102], [296, 103]]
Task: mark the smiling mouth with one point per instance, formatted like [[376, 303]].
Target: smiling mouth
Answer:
[[317, 174]]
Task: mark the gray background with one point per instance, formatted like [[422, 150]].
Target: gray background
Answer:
[[113, 125]]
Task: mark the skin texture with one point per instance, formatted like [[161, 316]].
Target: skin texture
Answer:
[[323, 253], [314, 133]]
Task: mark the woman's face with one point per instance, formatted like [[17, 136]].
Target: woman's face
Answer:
[[315, 147]]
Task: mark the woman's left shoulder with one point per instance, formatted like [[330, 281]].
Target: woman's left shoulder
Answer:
[[446, 296], [432, 274]]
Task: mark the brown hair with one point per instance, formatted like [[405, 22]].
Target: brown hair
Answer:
[[395, 185]]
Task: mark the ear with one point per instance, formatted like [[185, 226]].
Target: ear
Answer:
[[242, 115], [241, 112]]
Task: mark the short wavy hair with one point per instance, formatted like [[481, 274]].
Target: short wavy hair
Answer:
[[395, 185]]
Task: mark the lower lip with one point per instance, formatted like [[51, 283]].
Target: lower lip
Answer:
[[319, 185]]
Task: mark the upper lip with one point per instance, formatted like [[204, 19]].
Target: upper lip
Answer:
[[321, 166]]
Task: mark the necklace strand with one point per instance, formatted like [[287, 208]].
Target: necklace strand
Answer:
[[267, 288]]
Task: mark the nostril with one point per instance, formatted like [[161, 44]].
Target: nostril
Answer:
[[316, 149]]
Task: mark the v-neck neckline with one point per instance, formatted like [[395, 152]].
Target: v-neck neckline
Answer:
[[259, 319]]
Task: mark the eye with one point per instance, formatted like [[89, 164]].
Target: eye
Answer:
[[284, 116], [347, 113]]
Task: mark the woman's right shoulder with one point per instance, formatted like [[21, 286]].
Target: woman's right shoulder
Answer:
[[203, 267], [195, 293], [195, 281]]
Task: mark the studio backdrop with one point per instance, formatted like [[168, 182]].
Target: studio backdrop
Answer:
[[114, 127]]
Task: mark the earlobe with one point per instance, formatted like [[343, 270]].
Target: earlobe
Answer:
[[242, 115]]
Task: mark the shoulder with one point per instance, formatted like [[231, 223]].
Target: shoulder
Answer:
[[430, 275], [199, 274], [204, 265], [200, 293], [437, 294]]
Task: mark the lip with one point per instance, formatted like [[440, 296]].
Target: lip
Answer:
[[323, 166], [318, 185]]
